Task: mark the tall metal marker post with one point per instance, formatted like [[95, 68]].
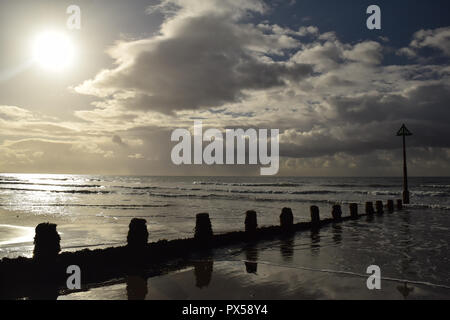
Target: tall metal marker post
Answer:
[[404, 132]]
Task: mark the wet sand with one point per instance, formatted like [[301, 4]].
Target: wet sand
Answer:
[[17, 232], [10, 234], [230, 280], [328, 264]]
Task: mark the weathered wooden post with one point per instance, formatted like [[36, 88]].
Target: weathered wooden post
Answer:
[[203, 228], [353, 210], [404, 132], [369, 208], [137, 237], [251, 222], [390, 206], [46, 242], [286, 219], [379, 207], [336, 212], [399, 204], [315, 216]]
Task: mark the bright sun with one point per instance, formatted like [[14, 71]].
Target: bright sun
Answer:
[[53, 51]]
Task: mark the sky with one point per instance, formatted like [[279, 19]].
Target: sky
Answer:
[[337, 91]]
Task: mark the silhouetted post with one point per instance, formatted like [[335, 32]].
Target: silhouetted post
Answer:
[[315, 216], [379, 207], [399, 204], [203, 228], [286, 219], [390, 205], [336, 212], [137, 237], [46, 242], [353, 210], [369, 208], [404, 132], [251, 222]]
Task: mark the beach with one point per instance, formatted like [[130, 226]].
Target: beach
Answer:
[[410, 246], [328, 264]]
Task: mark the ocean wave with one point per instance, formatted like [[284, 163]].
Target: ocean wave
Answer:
[[61, 191], [52, 184], [430, 194], [135, 188], [103, 206], [237, 196], [121, 206], [428, 206], [281, 184], [264, 191], [352, 185], [316, 192], [382, 193], [436, 186]]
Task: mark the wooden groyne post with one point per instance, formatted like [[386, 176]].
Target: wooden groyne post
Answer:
[[353, 210], [369, 208], [203, 228], [315, 216], [379, 207], [390, 206], [286, 220], [46, 242], [336, 212], [137, 237], [251, 222]]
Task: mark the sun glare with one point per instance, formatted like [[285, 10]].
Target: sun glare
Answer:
[[53, 51]]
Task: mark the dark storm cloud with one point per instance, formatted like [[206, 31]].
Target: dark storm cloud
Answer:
[[369, 122]]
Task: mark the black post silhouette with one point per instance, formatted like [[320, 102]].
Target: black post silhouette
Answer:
[[336, 212], [369, 208], [251, 222], [46, 242], [404, 132], [203, 228], [286, 220], [390, 206], [353, 210], [315, 216], [137, 237]]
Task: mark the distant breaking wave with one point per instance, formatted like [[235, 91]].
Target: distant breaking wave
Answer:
[[436, 186], [428, 206], [283, 184], [52, 184], [105, 206], [61, 191]]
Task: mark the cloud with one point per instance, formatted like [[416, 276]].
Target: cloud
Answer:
[[437, 39], [201, 59]]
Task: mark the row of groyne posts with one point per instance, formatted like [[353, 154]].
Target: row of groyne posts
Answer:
[[47, 239], [47, 269]]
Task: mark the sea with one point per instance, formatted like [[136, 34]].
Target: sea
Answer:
[[93, 211]]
